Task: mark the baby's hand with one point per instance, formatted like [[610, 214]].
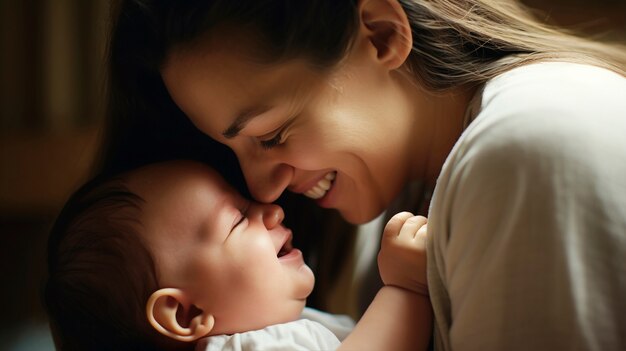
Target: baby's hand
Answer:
[[402, 256]]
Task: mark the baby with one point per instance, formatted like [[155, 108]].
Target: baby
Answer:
[[169, 256]]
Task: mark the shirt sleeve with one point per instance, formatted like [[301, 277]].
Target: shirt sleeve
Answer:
[[530, 234]]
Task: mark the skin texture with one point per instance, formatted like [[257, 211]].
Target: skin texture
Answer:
[[218, 249]]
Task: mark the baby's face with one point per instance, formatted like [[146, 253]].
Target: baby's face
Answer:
[[230, 255]]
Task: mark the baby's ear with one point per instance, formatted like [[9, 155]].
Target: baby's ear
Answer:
[[172, 314]]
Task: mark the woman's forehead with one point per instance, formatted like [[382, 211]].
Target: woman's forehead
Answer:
[[213, 90]]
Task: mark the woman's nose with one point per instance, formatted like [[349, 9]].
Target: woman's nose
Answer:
[[266, 180]]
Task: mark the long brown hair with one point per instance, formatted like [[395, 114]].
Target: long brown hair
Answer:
[[468, 42]]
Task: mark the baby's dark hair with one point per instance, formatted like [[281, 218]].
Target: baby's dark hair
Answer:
[[100, 273]]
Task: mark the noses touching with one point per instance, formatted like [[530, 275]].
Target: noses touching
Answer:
[[271, 215], [268, 178], [267, 183]]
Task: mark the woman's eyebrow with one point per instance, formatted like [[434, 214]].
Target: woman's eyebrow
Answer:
[[242, 119]]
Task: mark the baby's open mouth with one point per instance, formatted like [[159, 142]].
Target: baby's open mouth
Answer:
[[286, 248]]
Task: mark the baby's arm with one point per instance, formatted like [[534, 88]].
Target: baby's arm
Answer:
[[400, 316]]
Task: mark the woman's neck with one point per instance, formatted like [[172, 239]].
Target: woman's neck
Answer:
[[439, 122]]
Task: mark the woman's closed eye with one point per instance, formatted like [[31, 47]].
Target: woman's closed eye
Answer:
[[272, 139], [272, 142], [275, 137]]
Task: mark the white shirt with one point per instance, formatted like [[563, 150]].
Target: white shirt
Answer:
[[527, 224], [315, 331]]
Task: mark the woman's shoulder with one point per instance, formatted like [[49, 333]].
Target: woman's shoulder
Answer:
[[536, 117], [537, 137], [576, 77], [554, 89], [547, 104]]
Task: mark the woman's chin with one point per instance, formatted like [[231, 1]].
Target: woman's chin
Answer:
[[359, 217]]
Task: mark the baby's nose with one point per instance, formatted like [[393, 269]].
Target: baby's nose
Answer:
[[273, 215]]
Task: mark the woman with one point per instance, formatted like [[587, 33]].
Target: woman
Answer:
[[514, 127]]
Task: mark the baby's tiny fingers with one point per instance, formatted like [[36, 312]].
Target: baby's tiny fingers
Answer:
[[411, 226], [423, 231], [395, 223]]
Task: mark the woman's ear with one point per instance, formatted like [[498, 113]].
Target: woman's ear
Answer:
[[172, 314], [385, 24]]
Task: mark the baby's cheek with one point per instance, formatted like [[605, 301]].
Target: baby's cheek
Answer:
[[257, 248]]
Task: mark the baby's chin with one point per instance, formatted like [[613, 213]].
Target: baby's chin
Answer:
[[308, 282]]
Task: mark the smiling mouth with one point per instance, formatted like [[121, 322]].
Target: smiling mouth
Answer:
[[321, 188]]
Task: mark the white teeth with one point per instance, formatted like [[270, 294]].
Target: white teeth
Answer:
[[315, 193], [320, 189], [324, 184]]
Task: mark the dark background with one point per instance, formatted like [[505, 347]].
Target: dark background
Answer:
[[51, 73]]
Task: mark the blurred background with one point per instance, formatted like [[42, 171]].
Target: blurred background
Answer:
[[51, 109]]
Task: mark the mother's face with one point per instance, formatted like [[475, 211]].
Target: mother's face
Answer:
[[338, 137]]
